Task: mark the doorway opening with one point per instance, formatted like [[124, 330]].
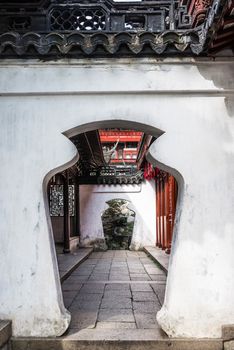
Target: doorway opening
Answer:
[[112, 203]]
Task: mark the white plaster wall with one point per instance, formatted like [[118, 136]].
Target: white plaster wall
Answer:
[[192, 103], [142, 200]]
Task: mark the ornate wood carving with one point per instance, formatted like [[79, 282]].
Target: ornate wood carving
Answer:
[[100, 28]]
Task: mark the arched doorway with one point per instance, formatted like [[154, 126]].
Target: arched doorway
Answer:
[[122, 243]]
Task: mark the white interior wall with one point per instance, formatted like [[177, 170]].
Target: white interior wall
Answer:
[[142, 200]]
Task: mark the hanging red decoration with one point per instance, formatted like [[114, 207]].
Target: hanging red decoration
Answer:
[[149, 171]]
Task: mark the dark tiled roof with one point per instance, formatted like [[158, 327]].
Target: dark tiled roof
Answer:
[[105, 28]]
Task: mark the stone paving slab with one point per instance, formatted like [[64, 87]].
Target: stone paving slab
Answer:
[[71, 286], [116, 315], [67, 302], [116, 303], [84, 272], [159, 256], [88, 297], [146, 320], [69, 297], [116, 325], [120, 287], [76, 278], [119, 278], [146, 307], [67, 263], [91, 262], [98, 277], [92, 288], [158, 277], [83, 319], [117, 293], [85, 306], [159, 289], [141, 287], [144, 296], [138, 278], [136, 271]]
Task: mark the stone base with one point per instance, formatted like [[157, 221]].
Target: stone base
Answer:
[[98, 245], [5, 334], [116, 340]]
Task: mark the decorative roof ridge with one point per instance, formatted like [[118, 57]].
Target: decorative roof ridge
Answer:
[[108, 42]]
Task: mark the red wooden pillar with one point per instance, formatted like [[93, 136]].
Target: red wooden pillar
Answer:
[[174, 200], [172, 204], [162, 211], [170, 214], [166, 216], [171, 211], [166, 196], [159, 211]]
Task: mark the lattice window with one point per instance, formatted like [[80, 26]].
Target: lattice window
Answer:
[[78, 19], [71, 195], [57, 202]]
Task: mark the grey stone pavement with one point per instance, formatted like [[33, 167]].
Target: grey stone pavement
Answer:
[[115, 290], [159, 256], [67, 263]]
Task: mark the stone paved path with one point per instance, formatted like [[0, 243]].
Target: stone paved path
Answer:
[[115, 290], [69, 262]]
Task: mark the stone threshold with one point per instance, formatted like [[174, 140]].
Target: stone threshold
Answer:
[[159, 256], [228, 333], [5, 332], [123, 282], [132, 340], [67, 263]]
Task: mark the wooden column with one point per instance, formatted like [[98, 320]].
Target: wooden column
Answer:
[[166, 196], [77, 208], [162, 213], [157, 213], [166, 217], [174, 200], [66, 247], [171, 210], [172, 204]]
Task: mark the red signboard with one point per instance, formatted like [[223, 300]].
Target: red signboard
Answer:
[[121, 135]]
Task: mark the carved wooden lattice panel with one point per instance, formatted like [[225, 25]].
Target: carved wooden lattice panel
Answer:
[[56, 200], [78, 19]]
